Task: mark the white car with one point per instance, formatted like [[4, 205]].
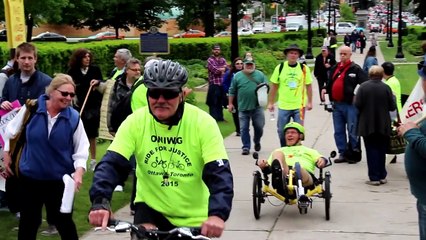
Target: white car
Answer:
[[293, 27], [258, 29], [344, 27], [244, 32]]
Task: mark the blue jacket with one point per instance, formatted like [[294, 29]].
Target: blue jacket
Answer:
[[415, 161], [36, 86], [49, 157], [368, 62]]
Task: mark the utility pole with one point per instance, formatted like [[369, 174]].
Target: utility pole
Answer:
[[234, 30]]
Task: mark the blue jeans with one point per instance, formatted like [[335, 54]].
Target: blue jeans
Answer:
[[284, 117], [421, 209], [345, 117], [353, 45], [375, 148], [258, 118]]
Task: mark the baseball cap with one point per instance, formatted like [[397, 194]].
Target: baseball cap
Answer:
[[248, 61], [216, 46], [324, 48]]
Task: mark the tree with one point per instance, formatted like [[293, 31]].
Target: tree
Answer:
[[202, 12], [346, 13], [118, 14], [421, 8], [42, 11]]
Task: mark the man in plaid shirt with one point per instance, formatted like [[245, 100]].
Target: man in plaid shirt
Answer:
[[216, 66]]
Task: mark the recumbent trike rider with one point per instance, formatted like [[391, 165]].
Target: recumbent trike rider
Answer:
[[293, 179]]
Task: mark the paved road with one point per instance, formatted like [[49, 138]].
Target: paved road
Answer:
[[358, 211]]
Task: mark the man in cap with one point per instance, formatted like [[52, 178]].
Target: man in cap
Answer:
[[216, 66], [180, 154], [343, 80], [293, 81], [323, 62], [244, 85]]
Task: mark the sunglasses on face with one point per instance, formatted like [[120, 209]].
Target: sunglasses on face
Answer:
[[167, 94], [65, 94]]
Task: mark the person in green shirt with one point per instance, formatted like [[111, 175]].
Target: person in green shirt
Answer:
[[243, 86], [183, 174], [280, 159], [292, 80]]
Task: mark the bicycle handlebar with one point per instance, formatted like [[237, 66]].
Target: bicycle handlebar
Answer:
[[119, 226]]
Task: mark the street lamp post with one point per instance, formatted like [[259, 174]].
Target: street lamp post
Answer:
[[329, 16], [309, 51], [334, 17], [387, 21], [399, 53], [390, 44]]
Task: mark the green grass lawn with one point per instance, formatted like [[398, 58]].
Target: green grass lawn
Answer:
[[82, 202], [389, 53]]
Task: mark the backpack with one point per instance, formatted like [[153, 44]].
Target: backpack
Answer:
[[122, 107]]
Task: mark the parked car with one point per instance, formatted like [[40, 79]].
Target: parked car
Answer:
[[190, 34], [258, 29], [3, 35], [223, 34], [293, 27], [344, 27], [102, 36], [244, 32], [278, 28], [375, 27], [49, 37]]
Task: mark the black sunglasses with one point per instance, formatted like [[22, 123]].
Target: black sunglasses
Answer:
[[167, 94], [65, 94]]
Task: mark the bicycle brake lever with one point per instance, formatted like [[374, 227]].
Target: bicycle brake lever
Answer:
[[111, 229]]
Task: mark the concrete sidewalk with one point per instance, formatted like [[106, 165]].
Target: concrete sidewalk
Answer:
[[358, 211]]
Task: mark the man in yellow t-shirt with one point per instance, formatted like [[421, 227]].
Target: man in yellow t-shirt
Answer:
[[183, 172], [281, 158], [292, 80]]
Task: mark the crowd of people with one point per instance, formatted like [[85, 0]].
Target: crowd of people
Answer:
[[172, 147]]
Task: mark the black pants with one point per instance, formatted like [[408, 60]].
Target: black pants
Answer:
[[215, 101], [321, 84], [35, 194]]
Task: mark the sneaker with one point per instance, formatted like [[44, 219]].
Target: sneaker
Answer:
[[132, 212], [257, 147], [238, 134], [277, 176], [118, 188], [50, 230], [92, 165], [18, 216], [246, 151], [373, 183], [383, 181]]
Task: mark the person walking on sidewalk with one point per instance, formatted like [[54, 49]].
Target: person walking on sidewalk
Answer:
[[370, 59], [236, 66], [216, 66], [374, 101], [344, 78], [293, 81], [56, 146], [323, 63], [180, 154], [415, 160], [363, 41], [244, 86]]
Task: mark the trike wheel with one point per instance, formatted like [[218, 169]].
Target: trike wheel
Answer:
[[257, 194], [327, 195]]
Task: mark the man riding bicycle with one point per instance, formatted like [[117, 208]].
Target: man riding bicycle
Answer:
[[191, 185], [280, 159]]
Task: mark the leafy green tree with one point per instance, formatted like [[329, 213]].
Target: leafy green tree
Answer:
[[41, 11], [117, 14], [202, 12], [346, 13]]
